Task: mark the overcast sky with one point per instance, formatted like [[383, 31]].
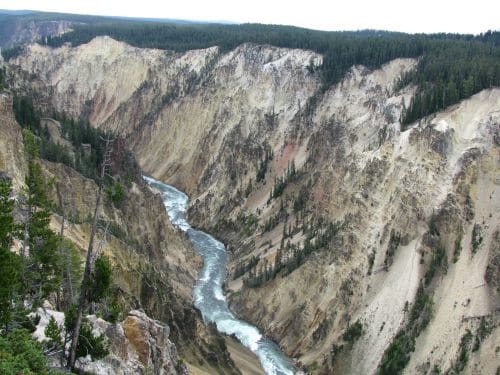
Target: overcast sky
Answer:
[[395, 15]]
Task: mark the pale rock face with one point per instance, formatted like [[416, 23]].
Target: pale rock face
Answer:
[[154, 97], [137, 345], [202, 120], [12, 160]]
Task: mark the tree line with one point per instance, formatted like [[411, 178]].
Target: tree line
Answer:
[[451, 66], [450, 73]]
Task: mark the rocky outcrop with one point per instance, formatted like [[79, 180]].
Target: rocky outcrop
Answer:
[[138, 345], [179, 111]]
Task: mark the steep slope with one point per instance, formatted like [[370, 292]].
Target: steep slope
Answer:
[[12, 161], [403, 205], [154, 267]]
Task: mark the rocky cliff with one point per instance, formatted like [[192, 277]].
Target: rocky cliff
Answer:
[[137, 345], [154, 267], [383, 209]]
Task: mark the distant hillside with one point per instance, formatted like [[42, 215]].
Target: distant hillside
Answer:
[[24, 26], [27, 26], [451, 67]]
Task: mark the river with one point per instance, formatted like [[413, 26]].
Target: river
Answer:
[[208, 295]]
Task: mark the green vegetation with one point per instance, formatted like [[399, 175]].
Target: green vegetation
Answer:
[[86, 154], [249, 188], [438, 260], [449, 72], [46, 266], [477, 238], [275, 219], [244, 267], [248, 223], [10, 263], [397, 355], [86, 159], [116, 193], [261, 172], [300, 202], [41, 265], [353, 332], [100, 279], [433, 225], [291, 256], [280, 183], [486, 327], [322, 330], [21, 354], [53, 333], [371, 261], [458, 246], [96, 346], [394, 242], [3, 78], [87, 146], [463, 352], [451, 66]]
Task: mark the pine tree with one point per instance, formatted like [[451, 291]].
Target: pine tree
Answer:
[[100, 279], [6, 218], [9, 262], [53, 333], [42, 265]]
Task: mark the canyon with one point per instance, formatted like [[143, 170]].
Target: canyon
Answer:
[[272, 161]]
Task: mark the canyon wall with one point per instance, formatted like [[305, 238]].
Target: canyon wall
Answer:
[[408, 206]]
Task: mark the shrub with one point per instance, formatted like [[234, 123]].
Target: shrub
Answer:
[[353, 332], [477, 238], [21, 354], [96, 346], [116, 193]]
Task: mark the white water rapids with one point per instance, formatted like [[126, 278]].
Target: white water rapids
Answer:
[[208, 295]]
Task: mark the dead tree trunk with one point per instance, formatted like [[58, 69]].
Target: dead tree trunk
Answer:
[[82, 300], [65, 251]]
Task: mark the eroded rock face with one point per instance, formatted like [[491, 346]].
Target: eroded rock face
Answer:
[[209, 135], [154, 267], [138, 345], [12, 161]]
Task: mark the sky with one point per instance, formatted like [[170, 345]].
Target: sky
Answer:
[[425, 16]]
